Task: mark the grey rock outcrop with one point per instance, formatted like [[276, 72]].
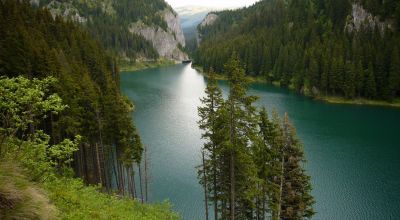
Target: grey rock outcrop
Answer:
[[166, 42], [360, 17], [209, 20], [66, 10]]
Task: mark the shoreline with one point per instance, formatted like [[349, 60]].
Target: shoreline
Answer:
[[327, 99], [358, 101], [141, 65]]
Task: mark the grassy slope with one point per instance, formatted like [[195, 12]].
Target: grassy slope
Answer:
[[67, 198], [20, 198]]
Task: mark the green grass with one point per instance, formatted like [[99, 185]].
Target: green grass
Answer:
[[77, 201], [69, 199], [126, 66], [22, 199]]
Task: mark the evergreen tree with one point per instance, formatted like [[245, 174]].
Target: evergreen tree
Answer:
[[208, 113], [370, 85], [394, 74], [295, 200], [305, 47], [241, 124]]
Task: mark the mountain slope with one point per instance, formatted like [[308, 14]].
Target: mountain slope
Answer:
[[62, 115], [124, 26], [318, 47], [191, 16]]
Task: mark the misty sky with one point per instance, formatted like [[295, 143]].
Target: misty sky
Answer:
[[211, 3]]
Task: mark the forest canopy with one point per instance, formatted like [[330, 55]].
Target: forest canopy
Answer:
[[310, 46]]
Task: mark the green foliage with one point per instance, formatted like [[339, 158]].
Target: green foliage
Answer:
[[87, 76], [77, 201], [50, 165], [306, 45], [25, 102]]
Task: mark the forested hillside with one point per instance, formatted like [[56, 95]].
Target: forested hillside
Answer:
[[317, 47], [110, 21], [36, 46]]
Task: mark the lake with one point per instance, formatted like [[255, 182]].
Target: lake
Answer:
[[353, 152]]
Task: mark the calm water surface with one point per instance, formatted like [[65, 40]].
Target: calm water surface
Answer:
[[353, 152]]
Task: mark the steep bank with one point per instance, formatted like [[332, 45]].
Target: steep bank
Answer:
[[168, 41], [68, 199]]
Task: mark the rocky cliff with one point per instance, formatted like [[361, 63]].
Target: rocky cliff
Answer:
[[159, 25], [360, 17], [168, 42], [208, 20]]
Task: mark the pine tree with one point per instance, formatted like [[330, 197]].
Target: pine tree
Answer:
[[394, 74], [208, 113], [265, 159], [359, 79], [295, 200], [370, 85], [242, 125], [349, 81]]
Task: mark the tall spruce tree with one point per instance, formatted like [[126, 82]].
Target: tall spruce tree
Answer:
[[295, 200], [242, 130], [208, 113]]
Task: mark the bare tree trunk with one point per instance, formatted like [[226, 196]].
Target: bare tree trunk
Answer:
[[130, 181], [232, 180], [232, 163], [134, 185], [100, 179], [205, 185], [140, 182], [146, 175], [121, 177], [85, 167], [113, 161], [281, 188], [263, 207], [258, 204]]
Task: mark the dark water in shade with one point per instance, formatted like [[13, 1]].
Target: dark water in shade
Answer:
[[353, 152]]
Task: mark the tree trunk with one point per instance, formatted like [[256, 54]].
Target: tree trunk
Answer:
[[205, 185], [281, 188], [232, 163], [98, 165], [215, 187], [146, 176], [140, 182]]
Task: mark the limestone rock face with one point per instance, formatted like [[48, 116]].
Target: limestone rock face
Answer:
[[64, 9], [209, 20], [360, 17], [168, 42], [174, 24]]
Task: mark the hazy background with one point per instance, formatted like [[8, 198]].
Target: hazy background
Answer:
[[211, 3]]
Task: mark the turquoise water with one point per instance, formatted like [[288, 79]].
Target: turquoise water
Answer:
[[353, 152]]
